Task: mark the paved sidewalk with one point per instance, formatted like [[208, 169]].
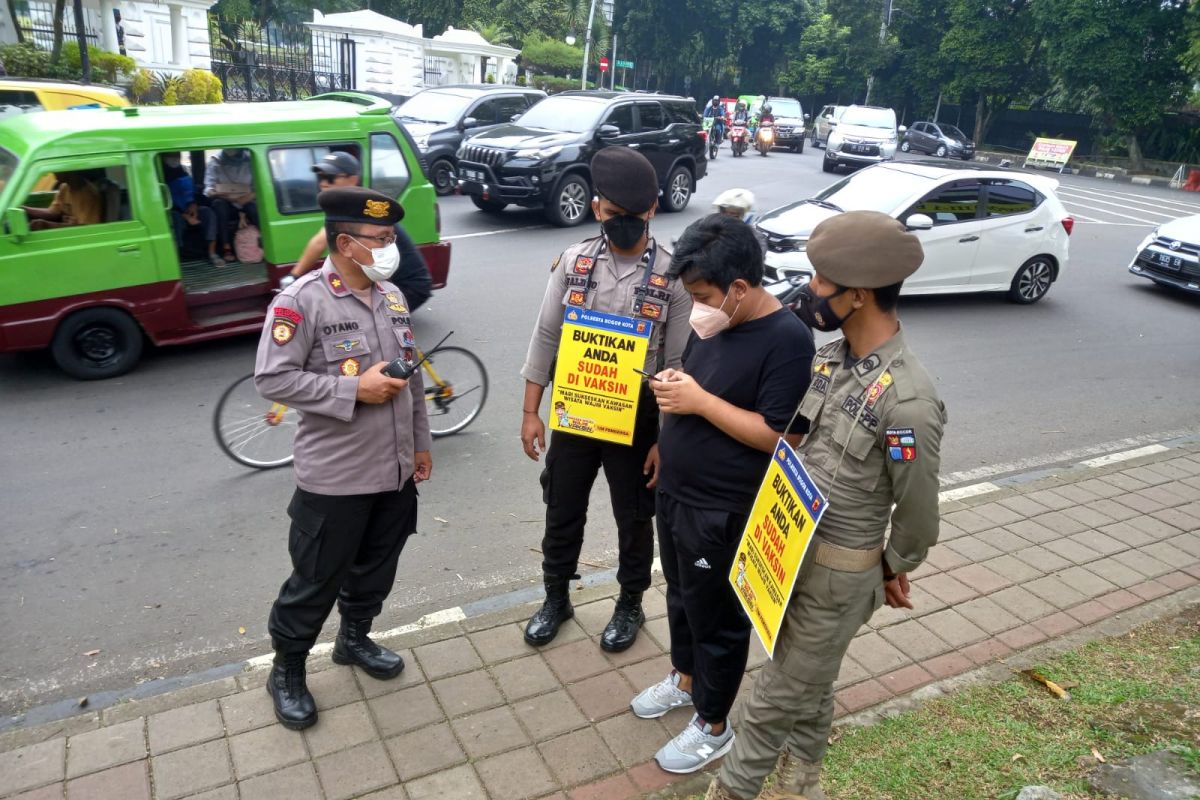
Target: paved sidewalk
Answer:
[[479, 714]]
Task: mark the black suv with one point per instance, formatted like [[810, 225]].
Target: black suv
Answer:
[[544, 158], [439, 118]]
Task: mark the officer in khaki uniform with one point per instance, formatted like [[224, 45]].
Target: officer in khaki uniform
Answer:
[[623, 271], [362, 445], [876, 429]]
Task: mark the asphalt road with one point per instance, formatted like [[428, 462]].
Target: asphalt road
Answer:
[[126, 531]]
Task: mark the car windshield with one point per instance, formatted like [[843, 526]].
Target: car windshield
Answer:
[[870, 117], [566, 114], [953, 132], [785, 107], [872, 190], [8, 165], [435, 107]]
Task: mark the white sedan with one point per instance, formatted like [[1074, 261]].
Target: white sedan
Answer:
[[983, 230], [1170, 255]]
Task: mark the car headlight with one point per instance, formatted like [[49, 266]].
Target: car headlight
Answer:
[[539, 153], [835, 141]]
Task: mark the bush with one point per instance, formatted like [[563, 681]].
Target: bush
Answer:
[[193, 87], [552, 85], [106, 66], [140, 86], [27, 60], [550, 55]]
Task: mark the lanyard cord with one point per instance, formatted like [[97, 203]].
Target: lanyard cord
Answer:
[[646, 262]]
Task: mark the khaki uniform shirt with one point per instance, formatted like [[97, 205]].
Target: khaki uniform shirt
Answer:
[[318, 337], [891, 449], [79, 207], [611, 287]]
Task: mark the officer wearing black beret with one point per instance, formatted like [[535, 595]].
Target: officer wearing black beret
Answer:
[[362, 445], [622, 271]]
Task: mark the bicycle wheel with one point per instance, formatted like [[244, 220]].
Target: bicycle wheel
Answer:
[[456, 387], [253, 431]]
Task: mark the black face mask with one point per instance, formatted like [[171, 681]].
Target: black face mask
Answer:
[[815, 312], [624, 231]]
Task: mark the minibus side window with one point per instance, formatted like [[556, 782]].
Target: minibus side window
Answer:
[[70, 198], [389, 170], [293, 177]]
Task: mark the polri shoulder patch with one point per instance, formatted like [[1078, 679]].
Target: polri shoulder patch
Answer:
[[283, 327]]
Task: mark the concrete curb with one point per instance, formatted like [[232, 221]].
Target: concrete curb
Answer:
[[1085, 171], [66, 716]]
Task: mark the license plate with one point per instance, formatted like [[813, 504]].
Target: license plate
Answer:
[[862, 149], [473, 175], [1165, 260]]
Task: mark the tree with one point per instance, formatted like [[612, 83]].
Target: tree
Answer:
[[60, 7], [1121, 59], [493, 32], [997, 54], [819, 64], [549, 56]]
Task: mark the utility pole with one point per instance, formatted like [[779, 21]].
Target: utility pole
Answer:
[[612, 81], [84, 60], [883, 26], [587, 47]]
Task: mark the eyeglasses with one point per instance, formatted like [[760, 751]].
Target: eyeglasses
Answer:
[[384, 241], [325, 178]]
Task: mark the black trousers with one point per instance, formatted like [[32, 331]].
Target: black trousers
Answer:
[[344, 548], [227, 219], [572, 464], [710, 634]]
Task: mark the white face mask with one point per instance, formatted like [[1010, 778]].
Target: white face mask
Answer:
[[386, 261], [707, 321]]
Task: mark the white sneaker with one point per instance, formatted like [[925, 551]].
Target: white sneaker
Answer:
[[695, 748], [660, 698]]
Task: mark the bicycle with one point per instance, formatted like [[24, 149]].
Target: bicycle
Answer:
[[259, 433]]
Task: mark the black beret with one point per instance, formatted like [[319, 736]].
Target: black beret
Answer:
[[338, 163], [356, 204], [625, 177]]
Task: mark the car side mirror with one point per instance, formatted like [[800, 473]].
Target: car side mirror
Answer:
[[901, 129], [832, 122], [608, 131], [469, 122], [16, 223], [514, 117], [918, 222]]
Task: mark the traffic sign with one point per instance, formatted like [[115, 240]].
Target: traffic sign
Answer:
[[624, 64], [604, 64]]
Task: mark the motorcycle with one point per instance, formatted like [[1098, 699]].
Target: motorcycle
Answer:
[[738, 138], [713, 132], [765, 139]]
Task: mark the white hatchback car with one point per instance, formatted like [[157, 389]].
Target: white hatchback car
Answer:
[[1170, 255], [983, 230]]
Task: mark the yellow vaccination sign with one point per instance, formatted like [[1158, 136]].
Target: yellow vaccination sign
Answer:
[[596, 389], [786, 512]]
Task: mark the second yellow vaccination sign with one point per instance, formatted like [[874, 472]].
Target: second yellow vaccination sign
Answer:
[[778, 533], [596, 389]]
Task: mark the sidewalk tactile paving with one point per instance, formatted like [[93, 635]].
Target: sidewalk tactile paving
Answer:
[[459, 783], [489, 732], [339, 728], [988, 615], [269, 749], [549, 715], [194, 769], [467, 693], [518, 775], [524, 677], [576, 661], [633, 740], [447, 657], [353, 772], [286, 784], [405, 710], [953, 628], [180, 727], [501, 643], [1023, 603], [127, 782], [876, 655], [106, 747], [980, 578], [419, 753], [914, 639], [578, 757], [602, 696]]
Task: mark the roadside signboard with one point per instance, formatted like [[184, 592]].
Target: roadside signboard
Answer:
[[1050, 153]]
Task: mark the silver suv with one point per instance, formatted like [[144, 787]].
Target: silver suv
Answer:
[[825, 123], [864, 135]]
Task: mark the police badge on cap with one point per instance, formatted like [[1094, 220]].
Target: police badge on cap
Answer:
[[356, 204]]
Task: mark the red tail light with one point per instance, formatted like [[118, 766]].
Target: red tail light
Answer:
[[703, 135], [1068, 224]]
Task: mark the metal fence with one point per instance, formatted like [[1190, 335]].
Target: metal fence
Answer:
[[35, 20], [275, 62]]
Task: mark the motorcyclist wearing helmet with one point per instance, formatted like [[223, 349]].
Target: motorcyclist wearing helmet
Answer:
[[739, 204], [741, 113], [765, 117], [716, 112]]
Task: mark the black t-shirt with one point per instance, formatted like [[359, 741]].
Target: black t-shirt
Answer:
[[763, 365]]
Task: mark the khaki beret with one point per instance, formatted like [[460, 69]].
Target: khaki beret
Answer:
[[864, 250]]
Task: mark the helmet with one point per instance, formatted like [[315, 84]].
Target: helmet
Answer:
[[742, 199], [741, 106], [767, 107], [716, 98]]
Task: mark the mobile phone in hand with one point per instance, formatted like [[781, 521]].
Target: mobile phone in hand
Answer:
[[647, 375]]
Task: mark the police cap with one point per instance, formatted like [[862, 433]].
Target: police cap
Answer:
[[864, 250], [625, 177], [356, 204]]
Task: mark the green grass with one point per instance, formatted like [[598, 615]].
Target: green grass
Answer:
[[1130, 694]]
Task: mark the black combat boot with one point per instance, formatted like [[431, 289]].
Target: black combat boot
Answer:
[[543, 625], [622, 630], [353, 646], [294, 705]]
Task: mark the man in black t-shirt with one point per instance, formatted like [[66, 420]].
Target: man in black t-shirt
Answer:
[[745, 368]]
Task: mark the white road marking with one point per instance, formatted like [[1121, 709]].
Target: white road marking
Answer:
[[1162, 200], [1154, 204], [492, 233], [1115, 224], [1073, 202], [1116, 458], [963, 492]]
